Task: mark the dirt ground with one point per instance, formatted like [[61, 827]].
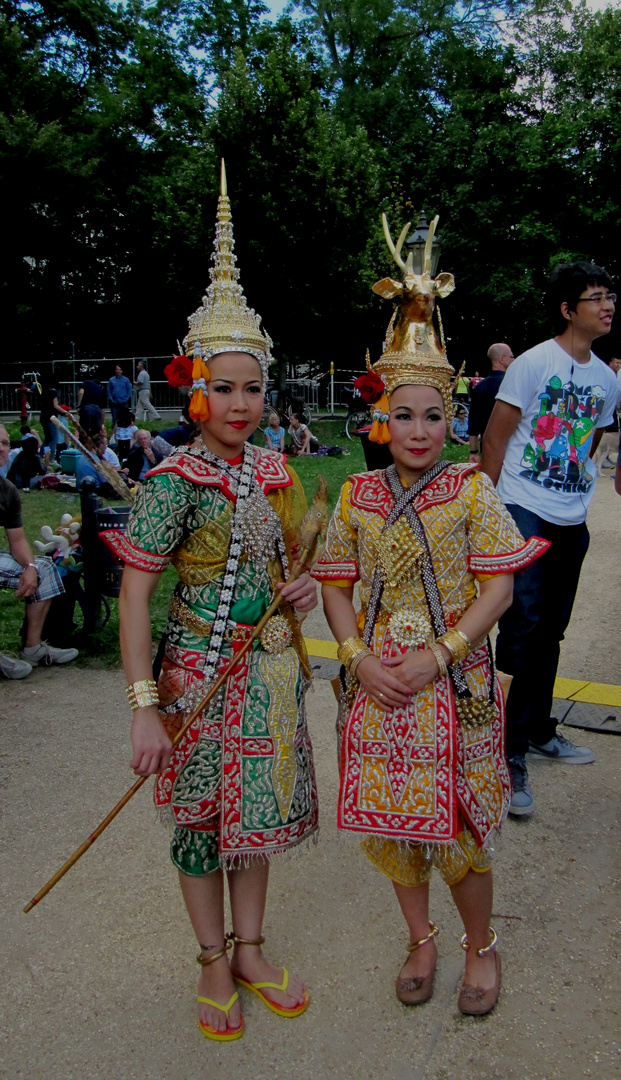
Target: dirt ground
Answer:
[[99, 981]]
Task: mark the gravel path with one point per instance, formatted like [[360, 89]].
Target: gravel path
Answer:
[[99, 980]]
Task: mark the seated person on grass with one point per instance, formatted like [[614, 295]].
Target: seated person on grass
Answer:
[[36, 581], [459, 427], [275, 434], [302, 442]]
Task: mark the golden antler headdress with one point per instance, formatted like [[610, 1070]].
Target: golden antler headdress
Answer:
[[413, 352]]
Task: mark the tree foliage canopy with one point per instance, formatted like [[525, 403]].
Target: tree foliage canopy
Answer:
[[504, 118]]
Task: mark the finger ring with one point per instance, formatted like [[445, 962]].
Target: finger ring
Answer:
[[381, 695]]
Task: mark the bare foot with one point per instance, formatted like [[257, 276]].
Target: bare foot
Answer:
[[480, 970], [249, 963], [421, 962], [216, 982]]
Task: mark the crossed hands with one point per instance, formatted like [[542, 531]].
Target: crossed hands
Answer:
[[392, 682]]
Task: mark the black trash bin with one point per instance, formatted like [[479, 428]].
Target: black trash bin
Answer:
[[111, 568]]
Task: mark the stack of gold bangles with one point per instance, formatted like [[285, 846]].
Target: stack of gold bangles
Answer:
[[351, 652], [142, 694], [457, 643]]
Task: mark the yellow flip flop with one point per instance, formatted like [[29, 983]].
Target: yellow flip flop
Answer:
[[231, 1033], [258, 987]]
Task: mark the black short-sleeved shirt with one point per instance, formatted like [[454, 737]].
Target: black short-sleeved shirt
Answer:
[[482, 402], [47, 403], [10, 505], [93, 394]]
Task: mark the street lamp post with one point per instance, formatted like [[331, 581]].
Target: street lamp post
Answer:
[[416, 245]]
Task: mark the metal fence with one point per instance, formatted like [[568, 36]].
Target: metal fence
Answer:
[[69, 375], [164, 396]]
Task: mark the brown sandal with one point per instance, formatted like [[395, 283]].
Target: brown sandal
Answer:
[[417, 990], [474, 1000]]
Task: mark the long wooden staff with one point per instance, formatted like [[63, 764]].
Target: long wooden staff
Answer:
[[314, 525], [107, 470]]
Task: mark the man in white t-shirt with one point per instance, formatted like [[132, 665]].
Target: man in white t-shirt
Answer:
[[551, 409], [143, 382]]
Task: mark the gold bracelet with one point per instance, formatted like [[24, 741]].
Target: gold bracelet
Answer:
[[141, 694], [457, 643], [437, 652], [358, 658], [352, 651]]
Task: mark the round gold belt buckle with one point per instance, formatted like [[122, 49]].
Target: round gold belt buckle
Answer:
[[276, 635]]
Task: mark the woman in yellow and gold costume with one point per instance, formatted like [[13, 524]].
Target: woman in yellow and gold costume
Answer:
[[421, 722], [240, 786]]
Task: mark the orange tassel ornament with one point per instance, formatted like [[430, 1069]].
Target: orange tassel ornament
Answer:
[[379, 432], [199, 407]]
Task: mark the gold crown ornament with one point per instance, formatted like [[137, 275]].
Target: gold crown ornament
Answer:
[[224, 322], [414, 352]]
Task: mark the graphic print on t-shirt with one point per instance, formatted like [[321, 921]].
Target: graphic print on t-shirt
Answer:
[[557, 453]]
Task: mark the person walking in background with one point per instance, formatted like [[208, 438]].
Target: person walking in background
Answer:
[[462, 389], [49, 407], [605, 457], [553, 404], [119, 394], [91, 400], [484, 396], [143, 382], [23, 390]]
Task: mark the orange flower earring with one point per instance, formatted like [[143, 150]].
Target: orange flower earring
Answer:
[[199, 406]]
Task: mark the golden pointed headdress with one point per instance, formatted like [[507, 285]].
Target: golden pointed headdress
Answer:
[[414, 353], [224, 322]]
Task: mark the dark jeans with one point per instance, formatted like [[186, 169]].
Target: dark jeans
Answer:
[[90, 419], [530, 632], [115, 406]]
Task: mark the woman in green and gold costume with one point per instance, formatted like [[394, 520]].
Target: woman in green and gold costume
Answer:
[[240, 786]]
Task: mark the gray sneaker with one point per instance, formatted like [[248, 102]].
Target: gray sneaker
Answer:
[[522, 803], [47, 654], [14, 669], [561, 749]]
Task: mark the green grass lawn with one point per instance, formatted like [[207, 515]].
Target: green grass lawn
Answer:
[[47, 507]]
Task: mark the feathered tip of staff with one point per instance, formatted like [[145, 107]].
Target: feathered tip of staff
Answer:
[[104, 467], [311, 534], [313, 530]]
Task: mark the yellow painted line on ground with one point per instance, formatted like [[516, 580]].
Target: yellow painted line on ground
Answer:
[[566, 688], [570, 689], [316, 647], [597, 693]]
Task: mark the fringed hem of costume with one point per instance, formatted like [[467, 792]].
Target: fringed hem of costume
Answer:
[[509, 562], [123, 548], [196, 853], [237, 860]]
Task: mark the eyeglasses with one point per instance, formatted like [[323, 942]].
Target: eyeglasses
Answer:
[[598, 298]]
